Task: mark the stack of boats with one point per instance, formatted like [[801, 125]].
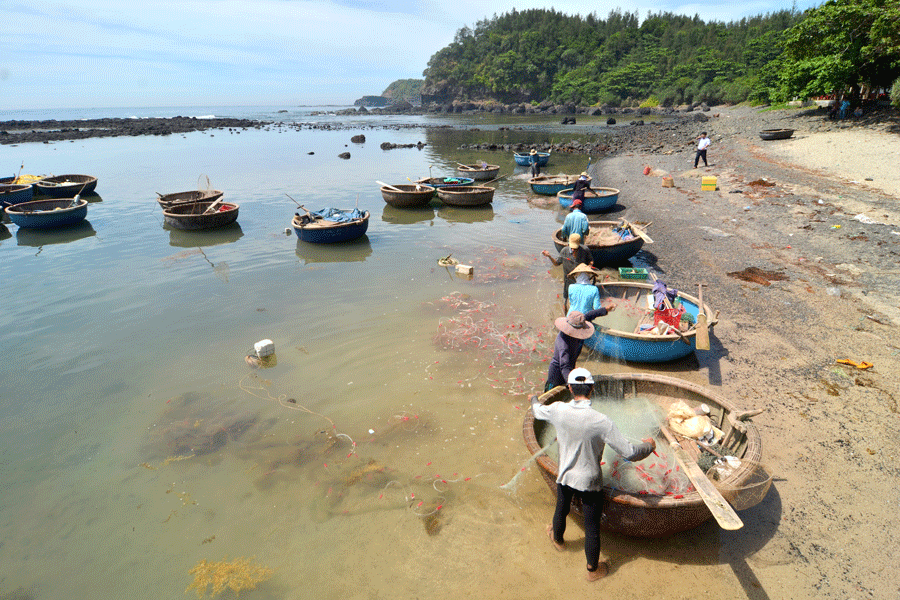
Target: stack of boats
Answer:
[[197, 209]]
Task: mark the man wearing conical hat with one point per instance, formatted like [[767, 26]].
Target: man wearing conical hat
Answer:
[[574, 328], [570, 256], [583, 294], [534, 159]]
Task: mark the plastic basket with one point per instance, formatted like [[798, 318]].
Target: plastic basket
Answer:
[[744, 490], [670, 316], [632, 273]]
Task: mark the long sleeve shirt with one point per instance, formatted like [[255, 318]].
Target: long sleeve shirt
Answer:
[[566, 350], [576, 222], [584, 297], [582, 434]]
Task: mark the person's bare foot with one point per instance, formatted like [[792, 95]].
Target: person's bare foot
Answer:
[[600, 572], [556, 544]]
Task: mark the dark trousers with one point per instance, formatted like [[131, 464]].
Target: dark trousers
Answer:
[[592, 506], [700, 154]]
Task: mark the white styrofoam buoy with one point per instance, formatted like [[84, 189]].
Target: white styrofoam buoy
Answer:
[[264, 348]]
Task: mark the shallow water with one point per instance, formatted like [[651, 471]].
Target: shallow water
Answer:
[[136, 439]]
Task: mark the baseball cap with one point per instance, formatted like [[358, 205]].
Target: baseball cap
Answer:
[[581, 375]]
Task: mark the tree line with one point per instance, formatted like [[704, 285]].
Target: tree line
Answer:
[[540, 54]]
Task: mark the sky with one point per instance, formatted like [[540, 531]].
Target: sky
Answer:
[[158, 53]]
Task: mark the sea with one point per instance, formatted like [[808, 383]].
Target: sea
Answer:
[[144, 456]]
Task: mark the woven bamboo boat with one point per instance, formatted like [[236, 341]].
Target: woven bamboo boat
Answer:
[[606, 254], [48, 214], [407, 196], [193, 215], [551, 185], [595, 199], [167, 200], [475, 195], [317, 230], [642, 347], [67, 186], [479, 172], [442, 182], [15, 194], [645, 515], [775, 134]]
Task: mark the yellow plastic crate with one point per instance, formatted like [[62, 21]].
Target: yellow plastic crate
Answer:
[[708, 183]]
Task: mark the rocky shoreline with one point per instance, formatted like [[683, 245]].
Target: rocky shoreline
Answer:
[[19, 132]]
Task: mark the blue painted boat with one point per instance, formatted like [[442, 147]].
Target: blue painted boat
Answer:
[[442, 182], [595, 200], [46, 214], [616, 251], [318, 230], [551, 185], [637, 347], [15, 194], [524, 160]]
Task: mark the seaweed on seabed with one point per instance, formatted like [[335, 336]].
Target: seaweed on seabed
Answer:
[[239, 574]]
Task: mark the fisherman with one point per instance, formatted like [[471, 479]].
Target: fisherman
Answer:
[[583, 294], [703, 143], [576, 221], [534, 159], [581, 184], [574, 328], [570, 256], [582, 434]]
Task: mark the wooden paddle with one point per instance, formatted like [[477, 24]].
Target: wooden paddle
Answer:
[[717, 505], [418, 187], [702, 325], [637, 231], [390, 187], [209, 209]]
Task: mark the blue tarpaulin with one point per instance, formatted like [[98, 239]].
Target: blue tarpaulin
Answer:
[[338, 215]]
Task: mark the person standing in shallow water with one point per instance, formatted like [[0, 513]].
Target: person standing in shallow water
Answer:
[[582, 434], [703, 143], [535, 159]]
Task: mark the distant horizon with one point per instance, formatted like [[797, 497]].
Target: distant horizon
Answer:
[[164, 53]]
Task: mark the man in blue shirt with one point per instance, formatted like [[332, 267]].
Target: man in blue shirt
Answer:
[[576, 222]]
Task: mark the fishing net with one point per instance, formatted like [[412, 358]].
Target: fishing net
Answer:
[[742, 483]]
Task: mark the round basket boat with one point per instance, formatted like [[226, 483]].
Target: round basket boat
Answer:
[[595, 199], [407, 196], [551, 185], [611, 253], [644, 515], [192, 216], [479, 172], [473, 195], [48, 214], [167, 200], [15, 194], [67, 186], [776, 134], [442, 182]]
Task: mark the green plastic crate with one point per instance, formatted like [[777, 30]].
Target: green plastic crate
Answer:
[[632, 273]]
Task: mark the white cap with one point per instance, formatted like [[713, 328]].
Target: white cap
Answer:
[[581, 375]]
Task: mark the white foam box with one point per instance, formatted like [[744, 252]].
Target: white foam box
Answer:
[[264, 348], [465, 269]]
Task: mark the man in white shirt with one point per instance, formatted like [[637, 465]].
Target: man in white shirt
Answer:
[[702, 145]]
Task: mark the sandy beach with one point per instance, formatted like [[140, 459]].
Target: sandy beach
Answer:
[[827, 241]]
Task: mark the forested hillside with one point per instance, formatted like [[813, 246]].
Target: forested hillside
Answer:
[[547, 55], [405, 89]]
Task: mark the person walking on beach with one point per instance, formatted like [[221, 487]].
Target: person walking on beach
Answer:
[[583, 433], [574, 328], [570, 257], [703, 143], [535, 159]]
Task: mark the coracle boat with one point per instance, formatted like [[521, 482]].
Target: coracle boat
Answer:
[[442, 182], [48, 214], [316, 228], [595, 199], [22, 180], [482, 172], [475, 195], [524, 160], [775, 134], [67, 186], [194, 216], [634, 312], [407, 196], [609, 247], [551, 185], [15, 194], [657, 515], [167, 200]]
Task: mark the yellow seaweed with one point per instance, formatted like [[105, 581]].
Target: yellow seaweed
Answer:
[[238, 575]]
